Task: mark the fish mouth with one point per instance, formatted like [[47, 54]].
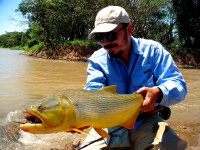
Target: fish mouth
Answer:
[[31, 118], [34, 123]]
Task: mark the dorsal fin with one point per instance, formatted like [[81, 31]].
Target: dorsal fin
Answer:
[[111, 89]]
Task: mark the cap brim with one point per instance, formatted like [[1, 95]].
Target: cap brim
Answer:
[[101, 28]]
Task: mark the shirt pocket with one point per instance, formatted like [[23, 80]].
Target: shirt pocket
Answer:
[[143, 77]]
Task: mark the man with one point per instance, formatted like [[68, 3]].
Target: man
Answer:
[[135, 65]]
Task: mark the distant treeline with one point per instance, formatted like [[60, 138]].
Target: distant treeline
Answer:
[[171, 22]]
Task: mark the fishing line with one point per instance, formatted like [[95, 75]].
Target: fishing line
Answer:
[[100, 138]]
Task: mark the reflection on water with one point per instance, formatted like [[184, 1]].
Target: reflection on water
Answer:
[[24, 79]]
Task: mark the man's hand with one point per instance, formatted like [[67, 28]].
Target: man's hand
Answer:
[[150, 96]]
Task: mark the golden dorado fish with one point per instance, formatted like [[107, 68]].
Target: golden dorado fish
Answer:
[[74, 109]]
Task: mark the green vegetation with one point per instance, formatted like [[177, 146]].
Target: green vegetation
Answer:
[[174, 23]]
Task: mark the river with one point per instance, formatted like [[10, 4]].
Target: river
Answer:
[[24, 79]]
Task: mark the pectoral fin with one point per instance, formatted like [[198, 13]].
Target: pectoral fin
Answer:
[[101, 132]]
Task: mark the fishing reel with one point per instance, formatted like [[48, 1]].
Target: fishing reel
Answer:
[[165, 113]]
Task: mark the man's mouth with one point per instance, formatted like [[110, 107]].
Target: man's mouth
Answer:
[[110, 46]]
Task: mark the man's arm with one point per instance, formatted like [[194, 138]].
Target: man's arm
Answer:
[[169, 80], [170, 87], [95, 77]]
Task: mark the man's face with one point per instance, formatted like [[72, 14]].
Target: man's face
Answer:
[[117, 47]]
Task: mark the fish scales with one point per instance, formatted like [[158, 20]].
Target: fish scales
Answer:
[[101, 102], [99, 106]]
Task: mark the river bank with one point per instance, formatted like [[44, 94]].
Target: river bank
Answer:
[[184, 58]]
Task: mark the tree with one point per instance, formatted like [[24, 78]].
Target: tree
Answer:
[[62, 20], [188, 22], [147, 18], [11, 39], [33, 36]]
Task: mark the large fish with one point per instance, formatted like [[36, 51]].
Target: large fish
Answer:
[[74, 109]]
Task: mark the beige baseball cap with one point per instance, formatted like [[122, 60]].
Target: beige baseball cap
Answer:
[[108, 18]]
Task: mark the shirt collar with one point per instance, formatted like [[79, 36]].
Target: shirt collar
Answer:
[[135, 46]]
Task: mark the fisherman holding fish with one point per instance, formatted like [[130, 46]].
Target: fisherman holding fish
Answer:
[[130, 84], [134, 64]]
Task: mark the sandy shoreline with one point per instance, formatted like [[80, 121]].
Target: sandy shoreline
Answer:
[[190, 132]]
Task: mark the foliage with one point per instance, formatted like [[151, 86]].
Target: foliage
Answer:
[[33, 35], [69, 22], [36, 47], [188, 22], [145, 16], [11, 39]]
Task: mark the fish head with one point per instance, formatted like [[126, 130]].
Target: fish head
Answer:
[[55, 114]]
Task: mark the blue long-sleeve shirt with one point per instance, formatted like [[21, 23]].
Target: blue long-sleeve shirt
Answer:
[[149, 65]]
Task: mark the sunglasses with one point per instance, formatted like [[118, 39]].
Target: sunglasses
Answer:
[[110, 36]]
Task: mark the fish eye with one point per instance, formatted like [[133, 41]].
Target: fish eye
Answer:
[[39, 107]]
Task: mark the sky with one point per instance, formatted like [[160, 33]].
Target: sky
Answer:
[[10, 20]]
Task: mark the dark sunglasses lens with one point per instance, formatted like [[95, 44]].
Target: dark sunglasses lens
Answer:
[[111, 36]]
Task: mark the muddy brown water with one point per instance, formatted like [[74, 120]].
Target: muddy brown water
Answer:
[[25, 79]]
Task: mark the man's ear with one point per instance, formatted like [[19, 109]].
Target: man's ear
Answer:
[[130, 29]]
